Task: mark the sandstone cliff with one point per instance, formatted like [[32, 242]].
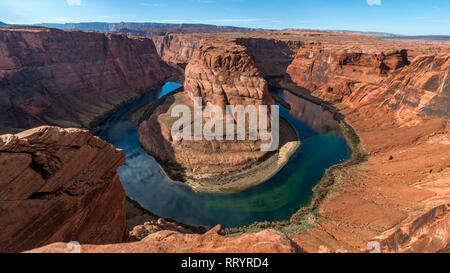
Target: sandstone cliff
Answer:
[[71, 78], [225, 74], [399, 196], [177, 49], [399, 108], [333, 74], [384, 80], [59, 185], [428, 233], [271, 55]]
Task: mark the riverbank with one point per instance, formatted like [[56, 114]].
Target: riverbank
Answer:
[[95, 122], [219, 177], [301, 219], [258, 173]]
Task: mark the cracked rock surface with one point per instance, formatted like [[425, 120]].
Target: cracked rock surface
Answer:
[[59, 185]]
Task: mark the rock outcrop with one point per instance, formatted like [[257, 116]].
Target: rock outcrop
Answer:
[[272, 56], [334, 74], [177, 49], [267, 241], [389, 80], [225, 74], [221, 74], [418, 90], [59, 185], [71, 78], [428, 233], [422, 88]]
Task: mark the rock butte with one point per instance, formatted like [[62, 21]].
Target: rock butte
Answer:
[[221, 74], [397, 104]]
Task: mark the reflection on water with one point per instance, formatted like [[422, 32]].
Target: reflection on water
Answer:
[[312, 115], [276, 199]]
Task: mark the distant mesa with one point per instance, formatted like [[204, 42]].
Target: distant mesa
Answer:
[[112, 27]]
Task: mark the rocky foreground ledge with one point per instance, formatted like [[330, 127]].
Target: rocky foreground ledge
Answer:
[[59, 185], [267, 241]]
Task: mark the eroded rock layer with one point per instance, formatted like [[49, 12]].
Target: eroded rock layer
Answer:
[[399, 108], [272, 55], [71, 78], [59, 185], [225, 74], [177, 49], [333, 74], [268, 241], [389, 80], [427, 233]]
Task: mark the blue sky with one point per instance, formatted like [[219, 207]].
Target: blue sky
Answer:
[[411, 17]]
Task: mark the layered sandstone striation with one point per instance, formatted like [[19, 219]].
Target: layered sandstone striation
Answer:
[[220, 74], [335, 74], [59, 185], [177, 49], [411, 89], [399, 108], [225, 74], [71, 78], [271, 54], [427, 233], [167, 241]]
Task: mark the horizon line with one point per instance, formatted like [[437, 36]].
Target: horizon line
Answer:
[[231, 26]]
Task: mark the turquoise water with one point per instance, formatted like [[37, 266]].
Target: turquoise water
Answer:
[[276, 199]]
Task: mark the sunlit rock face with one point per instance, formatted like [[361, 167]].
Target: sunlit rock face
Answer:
[[362, 79], [71, 78], [59, 185], [219, 74], [333, 74], [418, 90], [428, 233], [177, 48], [399, 108], [224, 74]]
